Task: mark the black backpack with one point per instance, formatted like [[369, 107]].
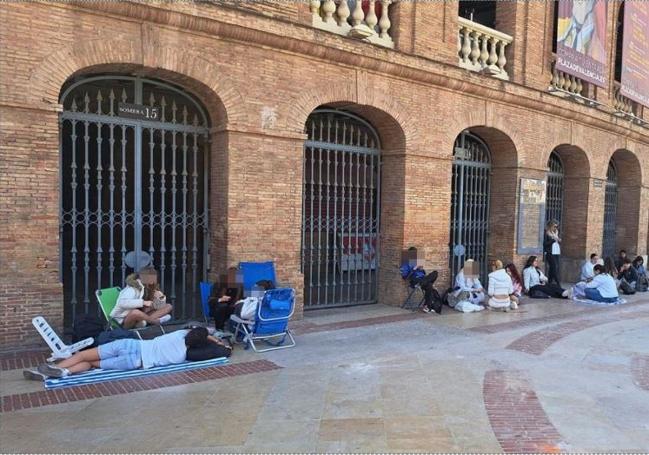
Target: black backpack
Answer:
[[87, 326], [626, 288]]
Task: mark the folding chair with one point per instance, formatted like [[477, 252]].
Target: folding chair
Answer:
[[206, 289], [271, 321], [412, 302], [107, 299], [256, 271], [60, 350]]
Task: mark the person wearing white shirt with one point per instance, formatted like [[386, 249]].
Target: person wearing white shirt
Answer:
[[501, 289], [467, 281], [602, 287], [536, 282], [587, 272]]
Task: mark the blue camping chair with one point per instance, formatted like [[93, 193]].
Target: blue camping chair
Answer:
[[206, 290], [271, 321], [256, 271]]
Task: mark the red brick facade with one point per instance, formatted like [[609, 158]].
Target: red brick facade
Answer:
[[240, 58]]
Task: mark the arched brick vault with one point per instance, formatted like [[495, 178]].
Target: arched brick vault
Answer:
[[394, 124], [629, 204], [501, 143], [184, 67]]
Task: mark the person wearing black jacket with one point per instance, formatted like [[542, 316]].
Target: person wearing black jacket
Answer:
[[224, 295], [628, 273], [552, 251]]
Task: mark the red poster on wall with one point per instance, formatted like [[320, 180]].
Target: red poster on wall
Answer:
[[635, 53], [581, 39]]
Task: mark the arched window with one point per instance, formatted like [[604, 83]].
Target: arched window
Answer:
[[554, 190], [610, 211]]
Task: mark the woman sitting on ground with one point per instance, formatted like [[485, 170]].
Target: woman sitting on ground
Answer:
[[136, 309], [517, 281], [602, 288], [131, 354], [467, 284], [536, 282], [501, 289]]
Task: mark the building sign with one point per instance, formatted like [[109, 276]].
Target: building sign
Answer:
[[581, 39], [358, 252], [138, 111], [531, 216], [635, 53]]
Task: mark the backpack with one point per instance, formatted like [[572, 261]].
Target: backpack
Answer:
[[626, 288], [642, 285], [87, 326]]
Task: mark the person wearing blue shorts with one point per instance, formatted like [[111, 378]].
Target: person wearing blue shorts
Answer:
[[130, 354]]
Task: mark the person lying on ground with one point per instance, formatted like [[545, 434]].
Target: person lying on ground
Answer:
[[133, 310], [131, 354], [536, 282]]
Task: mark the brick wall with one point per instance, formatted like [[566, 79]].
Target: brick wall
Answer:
[[259, 95]]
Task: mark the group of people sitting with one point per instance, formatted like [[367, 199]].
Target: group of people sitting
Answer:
[[141, 303], [602, 281], [505, 285]]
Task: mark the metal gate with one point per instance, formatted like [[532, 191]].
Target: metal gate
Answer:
[[133, 191], [610, 212], [340, 210], [554, 195], [469, 202]]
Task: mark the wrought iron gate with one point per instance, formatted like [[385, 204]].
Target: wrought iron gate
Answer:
[[610, 211], [470, 202], [554, 195], [340, 210], [134, 192]]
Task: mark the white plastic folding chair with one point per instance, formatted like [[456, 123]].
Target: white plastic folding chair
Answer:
[[60, 350]]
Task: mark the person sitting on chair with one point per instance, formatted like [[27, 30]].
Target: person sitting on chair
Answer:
[[131, 354], [224, 296], [133, 309], [412, 270]]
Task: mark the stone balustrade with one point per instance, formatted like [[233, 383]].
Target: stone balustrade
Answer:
[[567, 83], [365, 20], [482, 49], [621, 103]]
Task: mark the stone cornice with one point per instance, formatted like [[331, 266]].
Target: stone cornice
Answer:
[[317, 44]]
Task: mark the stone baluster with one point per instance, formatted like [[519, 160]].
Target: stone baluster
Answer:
[[484, 53], [328, 8], [493, 57], [358, 15], [475, 50], [384, 22], [343, 13], [502, 61], [370, 19], [466, 44], [315, 10]]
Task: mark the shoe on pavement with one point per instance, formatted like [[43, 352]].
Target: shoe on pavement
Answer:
[[51, 371], [33, 375], [514, 306]]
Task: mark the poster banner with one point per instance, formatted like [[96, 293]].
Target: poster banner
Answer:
[[581, 39], [531, 216], [358, 252], [635, 53]]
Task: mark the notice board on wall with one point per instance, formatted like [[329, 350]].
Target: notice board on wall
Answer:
[[531, 216]]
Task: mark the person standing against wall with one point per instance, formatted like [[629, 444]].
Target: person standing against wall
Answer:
[[552, 251]]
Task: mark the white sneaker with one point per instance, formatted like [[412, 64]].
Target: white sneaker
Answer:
[[514, 306], [165, 318], [566, 293]]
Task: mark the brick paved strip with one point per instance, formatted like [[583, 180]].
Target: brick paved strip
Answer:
[[22, 359], [313, 328], [516, 415], [538, 341], [523, 323], [640, 371], [104, 389]]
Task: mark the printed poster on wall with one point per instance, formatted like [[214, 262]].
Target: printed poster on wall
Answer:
[[358, 252], [635, 53], [531, 216], [581, 39]]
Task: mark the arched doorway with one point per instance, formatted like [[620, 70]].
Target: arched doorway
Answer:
[[470, 202], [340, 210], [134, 189], [554, 192], [610, 212]]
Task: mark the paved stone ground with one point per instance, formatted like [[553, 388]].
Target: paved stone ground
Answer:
[[554, 376]]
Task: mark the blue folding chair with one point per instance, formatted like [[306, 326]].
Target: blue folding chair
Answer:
[[271, 321], [256, 271], [206, 291]]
